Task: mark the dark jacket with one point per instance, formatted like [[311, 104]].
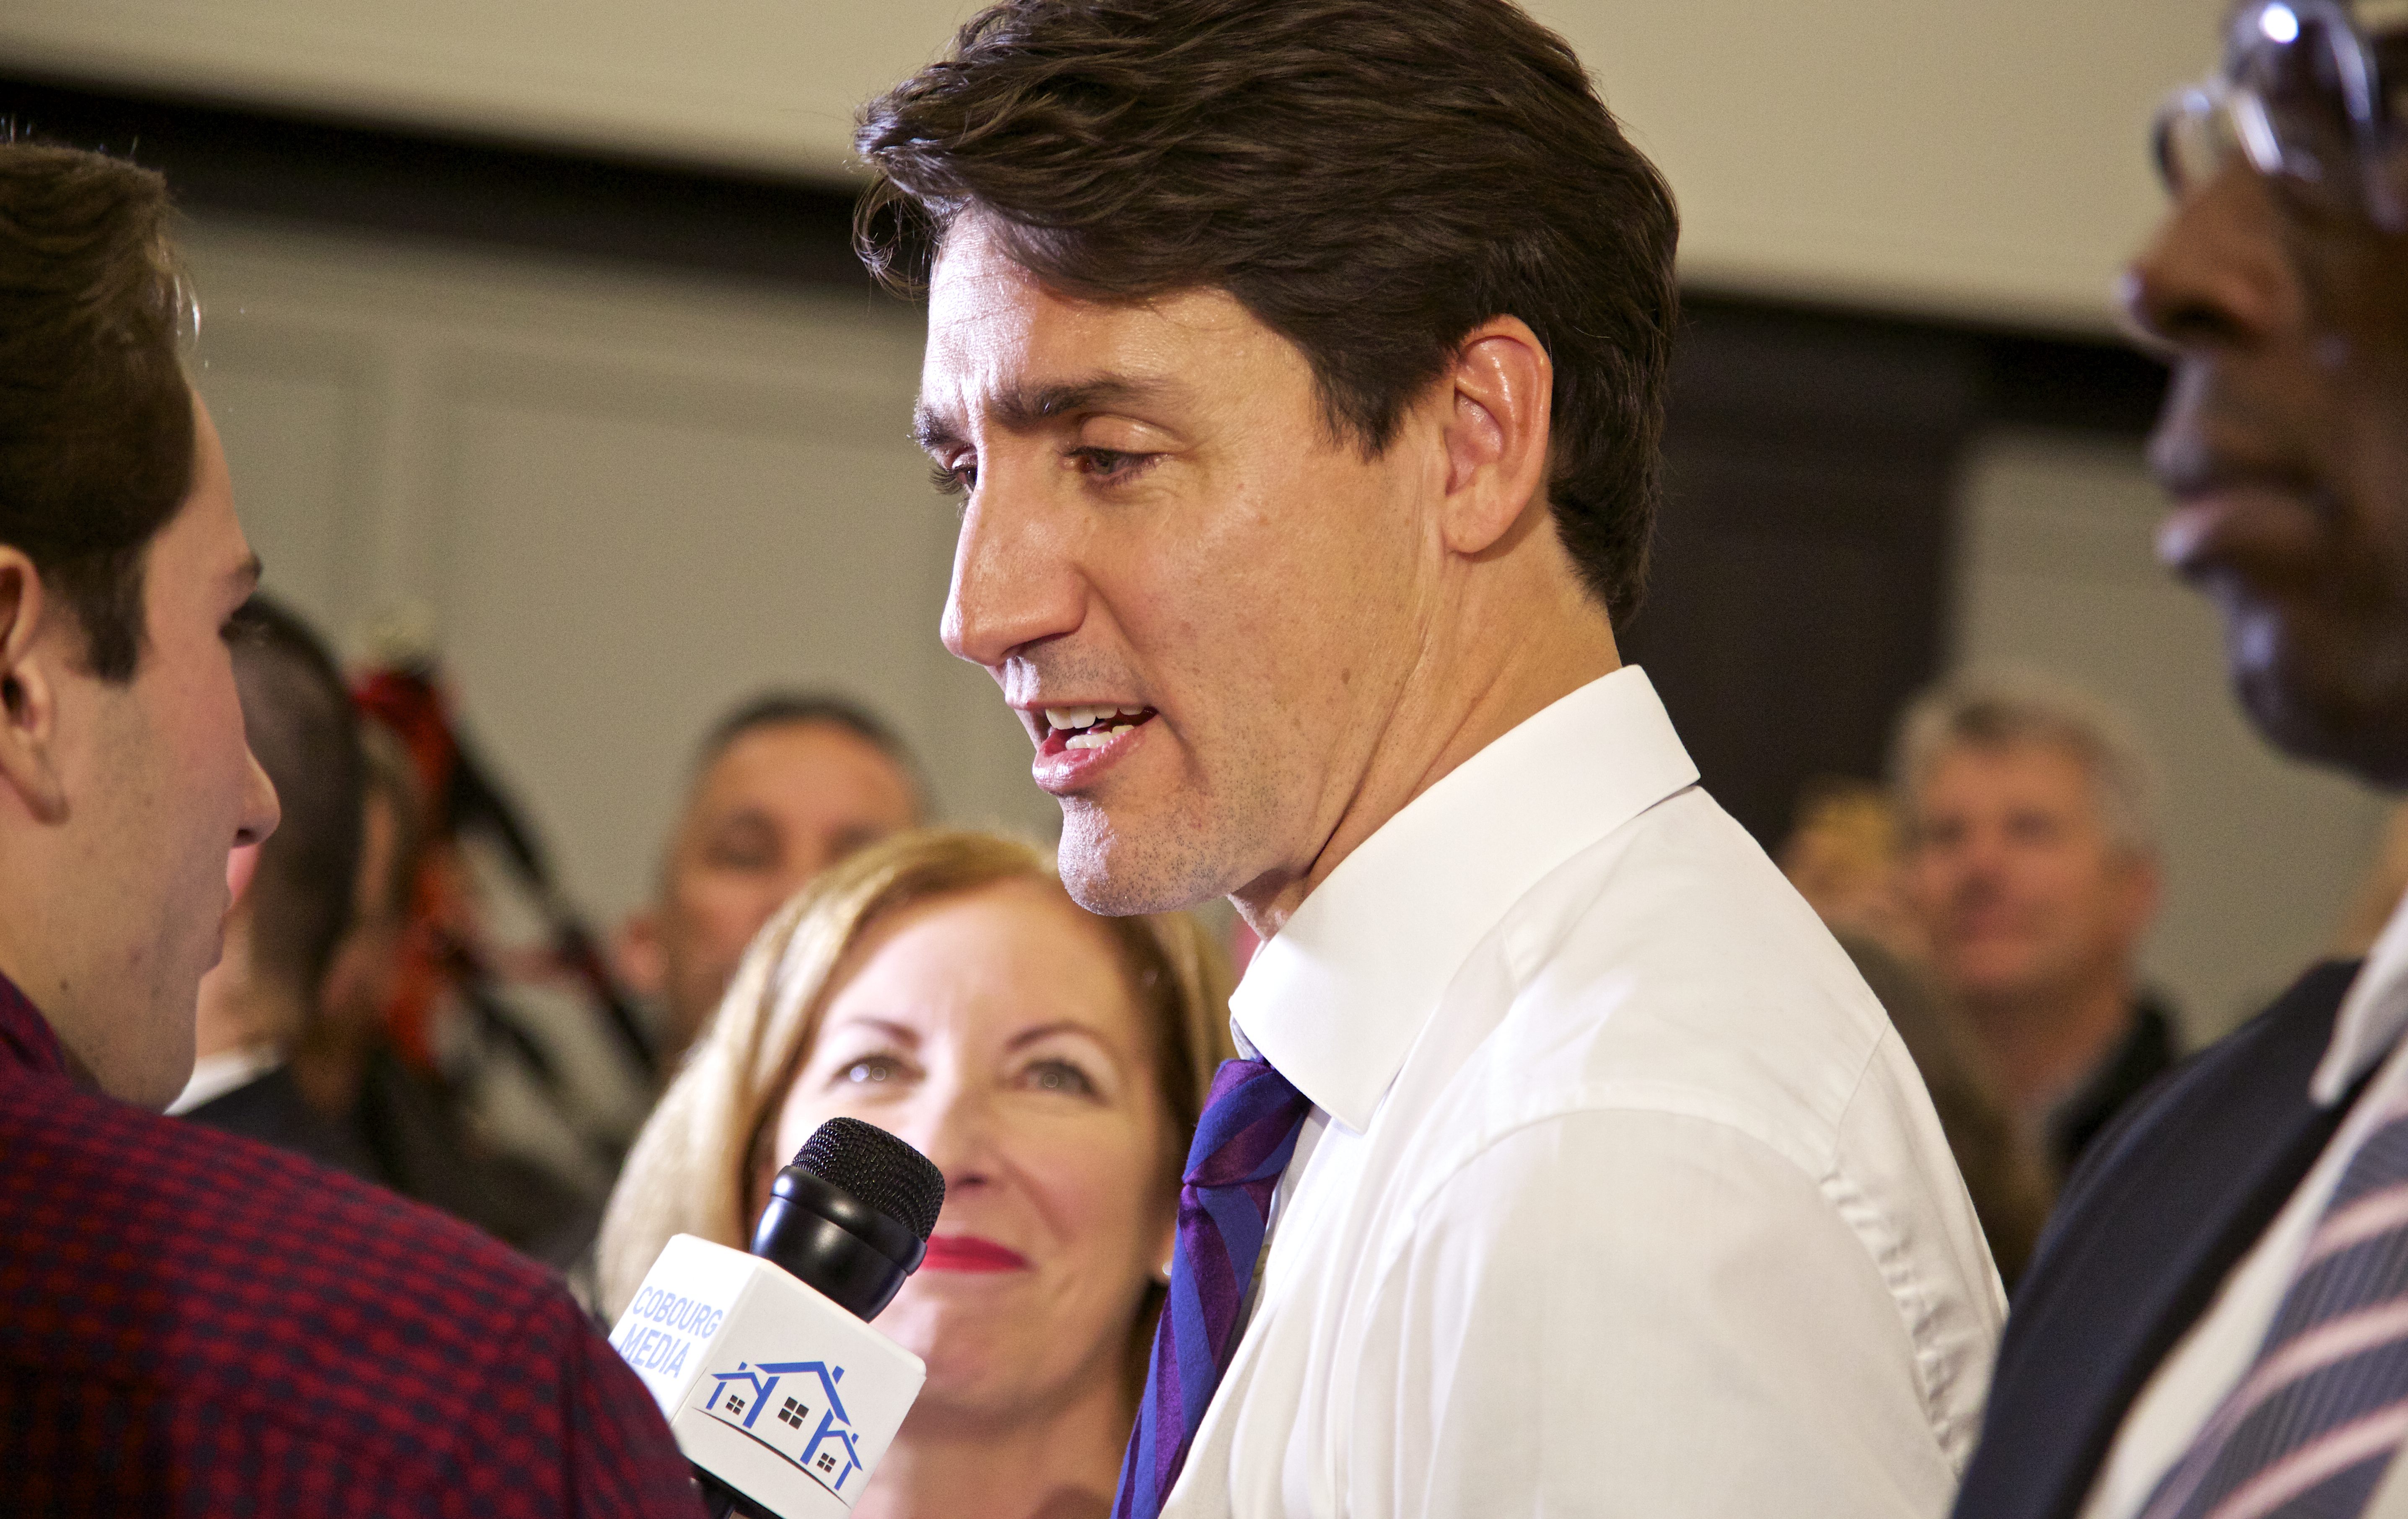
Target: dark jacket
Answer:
[[2167, 1202]]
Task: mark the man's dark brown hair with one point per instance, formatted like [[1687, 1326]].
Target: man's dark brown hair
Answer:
[[95, 414], [306, 734], [1371, 178]]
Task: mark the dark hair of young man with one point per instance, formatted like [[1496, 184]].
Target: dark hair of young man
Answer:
[[95, 412], [306, 734], [1371, 180]]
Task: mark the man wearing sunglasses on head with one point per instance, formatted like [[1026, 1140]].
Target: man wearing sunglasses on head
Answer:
[[2217, 1321]]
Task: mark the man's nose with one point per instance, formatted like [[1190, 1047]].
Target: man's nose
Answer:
[[261, 811], [2214, 274], [1016, 576]]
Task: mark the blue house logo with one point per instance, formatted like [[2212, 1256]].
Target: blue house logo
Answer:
[[826, 1454]]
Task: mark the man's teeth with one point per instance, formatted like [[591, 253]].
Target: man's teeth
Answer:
[[1070, 719], [1091, 727]]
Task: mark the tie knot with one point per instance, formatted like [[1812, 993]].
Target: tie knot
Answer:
[[1248, 1127]]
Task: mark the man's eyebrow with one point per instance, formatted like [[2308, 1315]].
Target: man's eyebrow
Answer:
[[1025, 409]]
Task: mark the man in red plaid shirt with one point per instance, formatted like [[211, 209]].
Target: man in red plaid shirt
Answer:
[[190, 1323]]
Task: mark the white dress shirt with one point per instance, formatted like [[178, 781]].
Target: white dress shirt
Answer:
[[2189, 1383], [1619, 1194]]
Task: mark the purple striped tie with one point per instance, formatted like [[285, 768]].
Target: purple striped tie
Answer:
[[2313, 1424], [1242, 1144]]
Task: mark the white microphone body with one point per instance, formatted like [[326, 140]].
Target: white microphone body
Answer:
[[766, 1384]]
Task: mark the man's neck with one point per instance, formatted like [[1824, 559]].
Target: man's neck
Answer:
[[1064, 1461], [1494, 673], [2046, 1045]]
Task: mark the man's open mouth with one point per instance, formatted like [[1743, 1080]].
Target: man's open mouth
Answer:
[[1069, 728]]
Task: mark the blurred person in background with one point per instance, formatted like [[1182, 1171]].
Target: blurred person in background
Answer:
[[2032, 874], [2217, 1323], [1050, 1062], [263, 998], [784, 786], [1845, 857], [183, 1311], [291, 1043]]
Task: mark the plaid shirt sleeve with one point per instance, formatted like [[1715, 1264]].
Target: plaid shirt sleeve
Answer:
[[192, 1324], [570, 1431]]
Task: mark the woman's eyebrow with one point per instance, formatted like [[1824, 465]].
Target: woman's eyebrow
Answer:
[[1045, 1031], [902, 1033]]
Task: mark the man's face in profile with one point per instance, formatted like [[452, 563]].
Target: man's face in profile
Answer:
[[1201, 602], [2285, 445], [163, 786]]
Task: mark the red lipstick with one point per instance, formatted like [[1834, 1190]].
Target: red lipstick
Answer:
[[968, 1252]]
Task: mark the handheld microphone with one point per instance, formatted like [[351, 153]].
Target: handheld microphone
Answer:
[[778, 1392]]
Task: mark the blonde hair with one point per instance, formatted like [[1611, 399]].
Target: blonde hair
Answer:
[[691, 1170]]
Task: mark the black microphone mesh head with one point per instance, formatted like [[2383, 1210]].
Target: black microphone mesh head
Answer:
[[879, 1169]]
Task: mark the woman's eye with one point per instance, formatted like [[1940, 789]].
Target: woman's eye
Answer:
[[1060, 1076], [876, 1069]]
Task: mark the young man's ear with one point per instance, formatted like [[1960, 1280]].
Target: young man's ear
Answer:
[[1497, 438], [29, 712]]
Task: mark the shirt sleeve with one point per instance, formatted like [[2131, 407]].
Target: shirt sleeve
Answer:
[[1641, 1314], [569, 1430]]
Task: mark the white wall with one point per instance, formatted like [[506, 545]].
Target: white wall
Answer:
[[1967, 158], [2057, 570], [628, 501]]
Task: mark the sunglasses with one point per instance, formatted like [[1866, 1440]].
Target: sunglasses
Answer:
[[2301, 97]]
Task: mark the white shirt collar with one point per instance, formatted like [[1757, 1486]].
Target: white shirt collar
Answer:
[[215, 1075], [2373, 1014], [1337, 998]]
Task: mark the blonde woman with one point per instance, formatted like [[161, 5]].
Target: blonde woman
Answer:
[[1051, 1063]]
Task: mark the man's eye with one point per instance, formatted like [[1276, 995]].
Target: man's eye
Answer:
[[1110, 465], [956, 479]]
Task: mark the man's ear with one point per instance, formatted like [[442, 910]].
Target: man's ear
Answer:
[[1497, 434], [29, 695]]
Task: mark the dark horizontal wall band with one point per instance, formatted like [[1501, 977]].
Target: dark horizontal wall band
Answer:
[[246, 162], [240, 162]]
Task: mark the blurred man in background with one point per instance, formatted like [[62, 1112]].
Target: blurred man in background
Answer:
[[783, 787], [2031, 875], [2217, 1323]]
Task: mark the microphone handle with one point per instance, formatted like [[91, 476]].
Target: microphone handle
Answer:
[[720, 1501]]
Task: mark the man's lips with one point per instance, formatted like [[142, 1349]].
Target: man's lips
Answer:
[[968, 1252], [2266, 531]]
